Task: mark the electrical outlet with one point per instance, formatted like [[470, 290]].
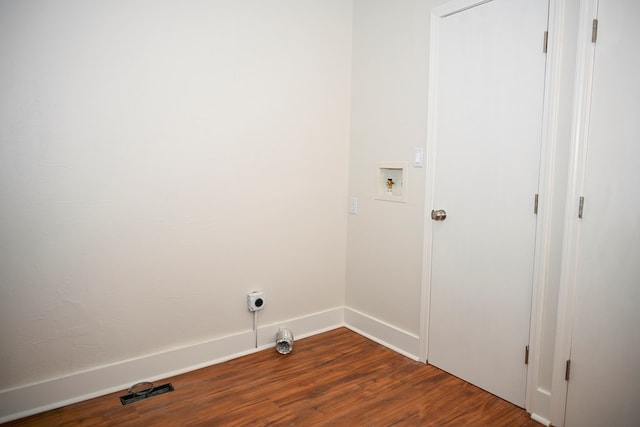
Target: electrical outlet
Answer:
[[255, 300], [353, 205]]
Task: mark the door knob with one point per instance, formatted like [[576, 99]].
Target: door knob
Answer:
[[438, 215]]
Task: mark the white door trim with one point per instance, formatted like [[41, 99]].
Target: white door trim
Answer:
[[579, 140], [537, 397], [425, 286], [546, 181]]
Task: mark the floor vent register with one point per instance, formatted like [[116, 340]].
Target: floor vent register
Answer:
[[144, 390]]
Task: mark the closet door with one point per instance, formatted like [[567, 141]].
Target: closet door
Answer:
[[604, 383], [490, 70]]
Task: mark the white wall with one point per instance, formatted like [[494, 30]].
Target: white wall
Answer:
[[389, 112], [159, 159]]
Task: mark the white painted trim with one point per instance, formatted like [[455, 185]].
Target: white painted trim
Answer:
[[542, 399], [540, 419], [456, 6], [303, 326], [39, 397], [535, 401], [34, 398], [383, 333], [579, 139]]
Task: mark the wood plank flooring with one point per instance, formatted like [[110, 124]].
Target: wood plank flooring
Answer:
[[337, 378]]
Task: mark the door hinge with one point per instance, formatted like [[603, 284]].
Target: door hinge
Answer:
[[594, 31], [545, 42], [535, 204], [526, 355], [567, 370], [580, 207]]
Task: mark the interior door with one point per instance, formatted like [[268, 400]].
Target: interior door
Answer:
[[604, 384], [489, 106]]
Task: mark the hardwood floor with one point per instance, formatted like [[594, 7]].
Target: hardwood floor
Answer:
[[337, 378]]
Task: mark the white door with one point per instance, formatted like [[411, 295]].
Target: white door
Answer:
[[489, 105], [604, 384]]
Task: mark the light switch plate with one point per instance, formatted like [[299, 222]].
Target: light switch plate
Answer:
[[418, 157]]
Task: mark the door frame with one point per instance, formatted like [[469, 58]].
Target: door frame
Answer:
[[572, 230], [537, 399]]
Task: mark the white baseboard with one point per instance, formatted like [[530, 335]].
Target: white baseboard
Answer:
[[541, 420], [383, 333], [39, 397], [542, 399]]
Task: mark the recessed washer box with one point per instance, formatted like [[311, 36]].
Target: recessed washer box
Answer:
[[391, 181]]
